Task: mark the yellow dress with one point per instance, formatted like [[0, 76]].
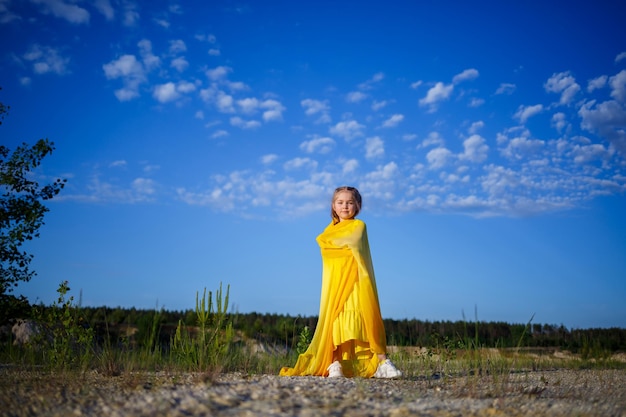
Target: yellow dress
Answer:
[[349, 317]]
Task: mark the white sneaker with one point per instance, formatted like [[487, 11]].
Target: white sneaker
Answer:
[[386, 369], [335, 370]]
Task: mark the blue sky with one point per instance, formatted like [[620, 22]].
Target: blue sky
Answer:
[[201, 145]]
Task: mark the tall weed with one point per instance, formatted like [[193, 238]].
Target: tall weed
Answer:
[[205, 347], [64, 339]]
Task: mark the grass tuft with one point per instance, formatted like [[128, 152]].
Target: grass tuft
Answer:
[[207, 345]]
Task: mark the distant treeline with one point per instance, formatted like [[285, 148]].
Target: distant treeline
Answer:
[[284, 330]]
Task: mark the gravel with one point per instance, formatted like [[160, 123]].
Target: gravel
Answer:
[[542, 393]]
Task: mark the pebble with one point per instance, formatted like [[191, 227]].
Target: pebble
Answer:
[[546, 393]]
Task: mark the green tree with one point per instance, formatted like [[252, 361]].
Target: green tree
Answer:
[[22, 211]]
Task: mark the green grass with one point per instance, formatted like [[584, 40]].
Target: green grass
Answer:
[[211, 346]]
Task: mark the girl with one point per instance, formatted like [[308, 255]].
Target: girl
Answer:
[[349, 339]]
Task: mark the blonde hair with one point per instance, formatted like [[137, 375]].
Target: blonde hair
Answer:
[[358, 201]]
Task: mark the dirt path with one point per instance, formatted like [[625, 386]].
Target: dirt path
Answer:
[[545, 393]]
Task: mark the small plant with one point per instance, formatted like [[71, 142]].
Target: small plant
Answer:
[[592, 353], [66, 340], [214, 334], [524, 332], [304, 340]]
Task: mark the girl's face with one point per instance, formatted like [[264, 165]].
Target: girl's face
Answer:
[[344, 205]]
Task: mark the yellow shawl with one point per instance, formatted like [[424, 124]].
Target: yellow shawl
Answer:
[[346, 260]]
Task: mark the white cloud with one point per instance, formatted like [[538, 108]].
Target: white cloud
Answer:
[[208, 94], [150, 61], [607, 119], [350, 166], [416, 84], [380, 183], [618, 86], [162, 22], [165, 92], [273, 110], [586, 153], [436, 94], [564, 84], [215, 198], [185, 87], [143, 188], [499, 179], [218, 73], [68, 11], [104, 7], [393, 121], [348, 130], [467, 75], [318, 145], [475, 149], [476, 102], [244, 124], [314, 107], [522, 147], [131, 16], [118, 163], [249, 105], [151, 168], [300, 163], [475, 127], [180, 64], [506, 88], [538, 179], [130, 71], [525, 112], [177, 46], [463, 203], [438, 157], [597, 116], [377, 105], [219, 134], [169, 91], [376, 78], [242, 190], [385, 172], [269, 159], [224, 102], [355, 97], [434, 138], [140, 190], [236, 86], [126, 93], [597, 83], [374, 147], [620, 56], [45, 59], [214, 52], [558, 121], [6, 15]]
